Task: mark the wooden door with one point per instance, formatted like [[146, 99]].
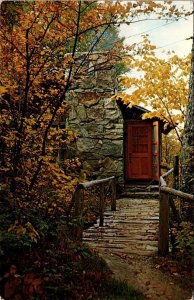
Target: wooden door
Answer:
[[139, 152]]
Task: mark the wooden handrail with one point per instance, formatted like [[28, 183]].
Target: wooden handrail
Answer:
[[162, 181], [87, 184], [177, 193], [79, 200], [171, 191], [165, 192]]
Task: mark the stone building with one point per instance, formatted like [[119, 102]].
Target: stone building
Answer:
[[113, 139]]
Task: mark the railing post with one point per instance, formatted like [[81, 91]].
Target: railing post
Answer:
[[113, 195], [79, 198], [163, 243], [101, 208]]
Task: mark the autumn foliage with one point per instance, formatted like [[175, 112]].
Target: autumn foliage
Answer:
[[40, 46], [161, 84]]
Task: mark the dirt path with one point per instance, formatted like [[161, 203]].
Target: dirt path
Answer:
[[141, 273], [128, 242]]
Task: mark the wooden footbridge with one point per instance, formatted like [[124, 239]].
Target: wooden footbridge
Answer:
[[132, 228], [136, 223]]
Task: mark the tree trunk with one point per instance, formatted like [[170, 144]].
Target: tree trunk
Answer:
[[188, 139]]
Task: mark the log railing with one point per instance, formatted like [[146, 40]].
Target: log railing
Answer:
[[165, 192], [79, 201]]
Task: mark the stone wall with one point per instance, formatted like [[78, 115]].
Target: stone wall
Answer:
[[98, 121]]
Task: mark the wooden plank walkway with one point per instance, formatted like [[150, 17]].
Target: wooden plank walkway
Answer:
[[132, 229]]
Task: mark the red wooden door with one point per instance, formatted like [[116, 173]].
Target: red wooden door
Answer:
[[139, 152], [155, 150]]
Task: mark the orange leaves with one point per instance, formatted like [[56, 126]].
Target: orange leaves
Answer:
[[19, 287], [12, 284], [151, 5], [2, 90], [39, 69], [32, 285]]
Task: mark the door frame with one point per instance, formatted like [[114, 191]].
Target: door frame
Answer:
[[126, 125]]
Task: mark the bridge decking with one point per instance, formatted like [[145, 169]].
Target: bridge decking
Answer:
[[133, 228]]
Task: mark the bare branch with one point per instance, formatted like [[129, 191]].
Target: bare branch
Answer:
[[12, 43], [58, 105]]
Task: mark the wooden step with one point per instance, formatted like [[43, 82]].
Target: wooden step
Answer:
[[140, 195], [141, 188]]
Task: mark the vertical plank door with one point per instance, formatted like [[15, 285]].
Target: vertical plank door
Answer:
[[139, 150]]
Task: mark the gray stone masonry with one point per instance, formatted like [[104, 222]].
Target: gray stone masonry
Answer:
[[98, 121]]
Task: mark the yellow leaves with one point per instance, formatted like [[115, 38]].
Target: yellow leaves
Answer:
[[2, 90], [54, 182], [129, 4], [151, 5], [24, 229], [38, 94], [151, 115], [8, 87], [42, 43], [4, 170], [31, 232], [59, 76], [62, 110], [29, 163], [159, 83], [152, 47], [54, 91]]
